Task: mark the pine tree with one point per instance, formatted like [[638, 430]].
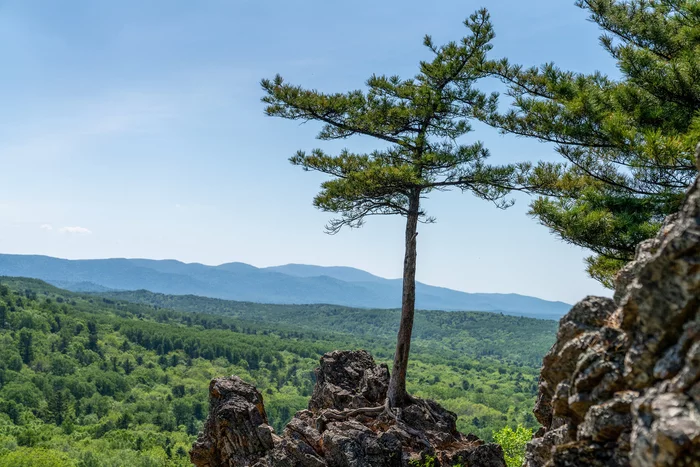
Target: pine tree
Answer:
[[128, 366], [92, 337], [58, 406], [628, 143], [124, 420], [417, 123], [168, 448], [26, 349]]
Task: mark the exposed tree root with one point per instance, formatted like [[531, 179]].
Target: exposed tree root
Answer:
[[375, 412], [339, 416]]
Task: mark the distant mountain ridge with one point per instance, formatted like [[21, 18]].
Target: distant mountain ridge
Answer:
[[287, 284], [342, 273]]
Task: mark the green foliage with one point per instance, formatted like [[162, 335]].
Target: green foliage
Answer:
[[427, 461], [36, 457], [76, 397], [417, 120], [417, 123], [513, 443], [475, 335], [628, 143]]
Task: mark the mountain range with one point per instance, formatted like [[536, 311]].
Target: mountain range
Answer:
[[287, 284]]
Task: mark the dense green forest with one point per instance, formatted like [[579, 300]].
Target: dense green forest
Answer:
[[90, 380], [508, 339]]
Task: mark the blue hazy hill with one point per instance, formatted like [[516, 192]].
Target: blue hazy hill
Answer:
[[288, 284]]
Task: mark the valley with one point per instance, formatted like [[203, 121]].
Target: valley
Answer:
[[103, 379]]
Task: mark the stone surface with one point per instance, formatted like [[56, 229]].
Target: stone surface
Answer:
[[237, 432], [621, 385], [365, 435], [349, 380]]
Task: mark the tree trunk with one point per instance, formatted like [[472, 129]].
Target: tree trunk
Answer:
[[397, 385]]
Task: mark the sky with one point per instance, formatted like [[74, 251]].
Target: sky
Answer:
[[135, 129]]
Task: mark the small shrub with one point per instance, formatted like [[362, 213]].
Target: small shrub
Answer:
[[513, 443]]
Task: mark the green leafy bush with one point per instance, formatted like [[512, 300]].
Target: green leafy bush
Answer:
[[513, 443]]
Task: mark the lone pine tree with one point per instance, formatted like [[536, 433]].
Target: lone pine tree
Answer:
[[418, 122], [627, 142]]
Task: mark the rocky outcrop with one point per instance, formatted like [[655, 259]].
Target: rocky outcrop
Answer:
[[238, 432], [345, 425], [349, 380], [621, 385]]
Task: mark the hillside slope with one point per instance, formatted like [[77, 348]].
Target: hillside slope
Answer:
[[475, 334]]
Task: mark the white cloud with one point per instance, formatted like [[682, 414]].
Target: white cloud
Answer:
[[75, 230], [46, 227]]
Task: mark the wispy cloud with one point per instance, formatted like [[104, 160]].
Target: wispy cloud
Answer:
[[71, 125], [194, 208], [46, 227], [75, 230]]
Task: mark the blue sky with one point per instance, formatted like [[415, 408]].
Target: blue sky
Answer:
[[135, 129]]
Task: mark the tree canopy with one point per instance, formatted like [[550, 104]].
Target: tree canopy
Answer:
[[419, 119], [627, 142], [418, 123]]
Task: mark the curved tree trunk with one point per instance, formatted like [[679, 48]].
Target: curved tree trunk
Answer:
[[397, 385]]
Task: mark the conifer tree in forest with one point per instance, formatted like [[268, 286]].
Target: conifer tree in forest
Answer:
[[627, 142], [58, 406], [26, 349], [418, 123]]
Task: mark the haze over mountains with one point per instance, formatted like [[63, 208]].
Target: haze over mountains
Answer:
[[288, 284]]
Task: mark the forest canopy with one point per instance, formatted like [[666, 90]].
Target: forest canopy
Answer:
[[93, 380]]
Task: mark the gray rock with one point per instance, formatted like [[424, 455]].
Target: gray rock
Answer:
[[237, 434], [621, 385], [666, 430], [349, 380], [607, 421]]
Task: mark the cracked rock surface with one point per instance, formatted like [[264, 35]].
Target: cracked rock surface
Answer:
[[237, 432], [621, 385]]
